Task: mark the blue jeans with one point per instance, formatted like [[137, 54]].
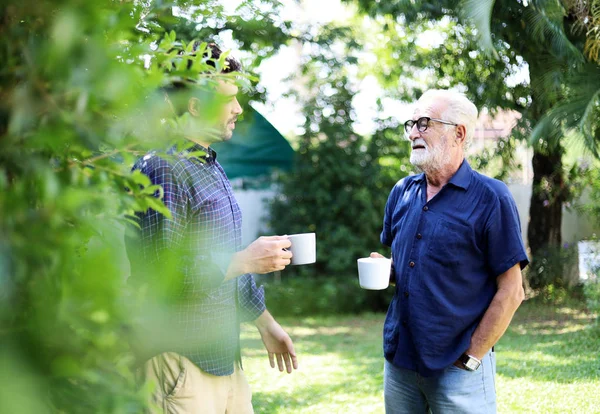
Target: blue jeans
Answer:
[[454, 391]]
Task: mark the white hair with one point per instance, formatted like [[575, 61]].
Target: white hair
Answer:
[[459, 109]]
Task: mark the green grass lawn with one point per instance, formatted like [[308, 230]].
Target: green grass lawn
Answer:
[[548, 362]]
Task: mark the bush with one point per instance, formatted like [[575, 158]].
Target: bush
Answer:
[[302, 296], [591, 290], [341, 181], [552, 269], [593, 207]]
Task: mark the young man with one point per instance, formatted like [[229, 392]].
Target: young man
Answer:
[[200, 370], [457, 251]]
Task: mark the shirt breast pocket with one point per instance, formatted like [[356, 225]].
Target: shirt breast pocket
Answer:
[[449, 242]]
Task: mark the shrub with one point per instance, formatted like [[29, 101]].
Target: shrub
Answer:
[[552, 269], [340, 182], [591, 290]]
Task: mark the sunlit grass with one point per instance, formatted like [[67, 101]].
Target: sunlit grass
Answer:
[[548, 362], [341, 367]]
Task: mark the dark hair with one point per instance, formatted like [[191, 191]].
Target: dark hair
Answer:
[[233, 65], [213, 52], [177, 90]]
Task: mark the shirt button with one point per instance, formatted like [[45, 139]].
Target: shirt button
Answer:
[[405, 294], [419, 237], [425, 208], [404, 323], [412, 264]]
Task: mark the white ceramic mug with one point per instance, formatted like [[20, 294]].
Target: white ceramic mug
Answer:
[[303, 248], [374, 272]]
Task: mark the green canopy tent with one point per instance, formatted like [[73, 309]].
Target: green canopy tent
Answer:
[[255, 150]]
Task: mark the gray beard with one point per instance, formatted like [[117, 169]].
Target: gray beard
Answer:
[[435, 161]]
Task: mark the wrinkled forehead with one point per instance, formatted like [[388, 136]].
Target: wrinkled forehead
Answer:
[[432, 107]]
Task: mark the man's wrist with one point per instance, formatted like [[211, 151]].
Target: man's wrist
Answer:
[[263, 320], [237, 265], [469, 362]]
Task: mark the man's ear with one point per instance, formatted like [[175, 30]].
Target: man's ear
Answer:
[[194, 106], [461, 133]]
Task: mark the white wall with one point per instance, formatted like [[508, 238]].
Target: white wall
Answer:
[[253, 204], [575, 226]]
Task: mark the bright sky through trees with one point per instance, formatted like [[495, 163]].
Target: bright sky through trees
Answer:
[[284, 113]]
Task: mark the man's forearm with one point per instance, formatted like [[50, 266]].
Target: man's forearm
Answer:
[[493, 325], [496, 319]]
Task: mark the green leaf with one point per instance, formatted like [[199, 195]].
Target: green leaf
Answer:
[[151, 189], [132, 222], [479, 12], [195, 154], [157, 205], [100, 316], [140, 178], [545, 23]]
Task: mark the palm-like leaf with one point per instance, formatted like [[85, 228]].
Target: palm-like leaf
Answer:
[[545, 21], [589, 16], [479, 13], [579, 112]]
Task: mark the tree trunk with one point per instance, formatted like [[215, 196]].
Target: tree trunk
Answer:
[[545, 212]]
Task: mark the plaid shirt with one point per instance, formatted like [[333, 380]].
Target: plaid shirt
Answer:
[[206, 228]]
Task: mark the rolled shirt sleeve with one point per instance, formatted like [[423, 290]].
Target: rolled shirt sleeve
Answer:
[[251, 298], [503, 236]]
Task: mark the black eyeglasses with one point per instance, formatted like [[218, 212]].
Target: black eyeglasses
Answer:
[[423, 123]]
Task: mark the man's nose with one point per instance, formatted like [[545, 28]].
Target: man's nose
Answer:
[[237, 108], [413, 133]]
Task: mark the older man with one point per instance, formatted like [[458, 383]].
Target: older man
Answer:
[[458, 254]]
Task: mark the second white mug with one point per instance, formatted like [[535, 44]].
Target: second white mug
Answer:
[[374, 273]]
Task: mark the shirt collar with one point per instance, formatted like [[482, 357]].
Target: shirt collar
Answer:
[[419, 177], [209, 153], [461, 178]]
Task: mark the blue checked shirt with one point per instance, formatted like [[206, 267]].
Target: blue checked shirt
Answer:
[[205, 228]]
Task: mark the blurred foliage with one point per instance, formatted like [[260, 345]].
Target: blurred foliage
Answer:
[[591, 291], [255, 27], [341, 180], [555, 269], [78, 104], [499, 160], [337, 295], [593, 207]]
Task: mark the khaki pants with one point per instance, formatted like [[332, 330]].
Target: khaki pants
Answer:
[[180, 387]]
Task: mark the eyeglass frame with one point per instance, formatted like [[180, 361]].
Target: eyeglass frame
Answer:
[[407, 129]]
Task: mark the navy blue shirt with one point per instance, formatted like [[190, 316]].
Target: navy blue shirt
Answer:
[[447, 255]]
